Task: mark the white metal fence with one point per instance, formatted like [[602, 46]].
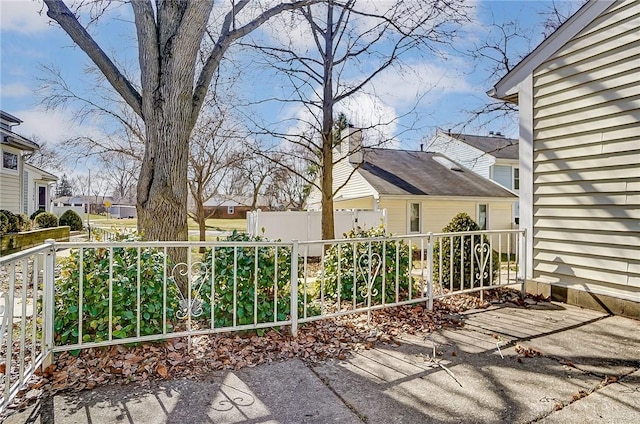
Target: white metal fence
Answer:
[[26, 316], [131, 291]]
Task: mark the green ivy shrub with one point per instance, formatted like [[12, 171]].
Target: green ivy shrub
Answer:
[[95, 298], [46, 220], [364, 256], [71, 219], [13, 222], [36, 213], [462, 248], [249, 284], [4, 223], [24, 223]]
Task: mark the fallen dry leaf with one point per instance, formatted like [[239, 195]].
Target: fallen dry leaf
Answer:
[[162, 371]]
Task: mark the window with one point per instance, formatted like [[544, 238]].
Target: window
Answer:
[[482, 216], [9, 160], [42, 198], [231, 210], [516, 178], [414, 217]]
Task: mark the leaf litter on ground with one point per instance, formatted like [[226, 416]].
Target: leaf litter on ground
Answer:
[[334, 338]]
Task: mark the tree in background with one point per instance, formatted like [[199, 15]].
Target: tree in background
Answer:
[[352, 44], [176, 67], [64, 187], [216, 149]]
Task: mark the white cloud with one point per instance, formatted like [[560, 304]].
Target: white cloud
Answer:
[[51, 126], [15, 90], [23, 16], [404, 89]]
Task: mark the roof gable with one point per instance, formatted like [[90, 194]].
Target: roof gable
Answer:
[[507, 87], [402, 172]]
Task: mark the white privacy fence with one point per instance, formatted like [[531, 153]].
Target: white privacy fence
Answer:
[[307, 225], [120, 292], [59, 210]]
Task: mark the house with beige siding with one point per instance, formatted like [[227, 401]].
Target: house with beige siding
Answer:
[[493, 156], [421, 191], [23, 187], [578, 94]]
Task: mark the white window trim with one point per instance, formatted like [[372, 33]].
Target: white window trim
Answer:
[[9, 170], [409, 203], [231, 210], [487, 218]]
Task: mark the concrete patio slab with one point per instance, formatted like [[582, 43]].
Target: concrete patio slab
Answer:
[[285, 392], [506, 364], [616, 403], [606, 347], [388, 386]]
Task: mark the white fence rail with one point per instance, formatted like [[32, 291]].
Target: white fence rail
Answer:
[[306, 225], [110, 293]]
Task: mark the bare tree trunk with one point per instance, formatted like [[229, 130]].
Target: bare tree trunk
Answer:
[[162, 185], [328, 230]]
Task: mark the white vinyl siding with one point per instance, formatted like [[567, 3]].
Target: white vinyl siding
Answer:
[[10, 192], [462, 153], [586, 156], [356, 186]]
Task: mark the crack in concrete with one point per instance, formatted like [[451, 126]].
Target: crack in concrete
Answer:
[[327, 384]]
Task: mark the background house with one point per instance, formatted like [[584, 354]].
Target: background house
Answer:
[[421, 191], [579, 110], [23, 187], [82, 204], [493, 156], [232, 206]]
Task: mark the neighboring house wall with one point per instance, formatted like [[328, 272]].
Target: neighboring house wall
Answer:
[[462, 153], [586, 157], [501, 170], [435, 214], [227, 212], [357, 188], [11, 182], [362, 203]]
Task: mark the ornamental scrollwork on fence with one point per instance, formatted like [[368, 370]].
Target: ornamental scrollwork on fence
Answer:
[[195, 278], [482, 255], [369, 266], [4, 313]]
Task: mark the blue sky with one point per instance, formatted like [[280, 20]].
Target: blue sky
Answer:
[[29, 40]]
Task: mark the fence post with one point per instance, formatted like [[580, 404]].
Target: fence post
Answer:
[[430, 271], [523, 261], [48, 288], [294, 288]]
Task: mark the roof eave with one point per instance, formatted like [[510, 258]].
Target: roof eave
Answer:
[[20, 143]]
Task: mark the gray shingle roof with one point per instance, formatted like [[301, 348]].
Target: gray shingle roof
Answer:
[[402, 172], [499, 147]]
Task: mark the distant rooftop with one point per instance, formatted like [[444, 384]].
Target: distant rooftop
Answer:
[[402, 172], [494, 144]]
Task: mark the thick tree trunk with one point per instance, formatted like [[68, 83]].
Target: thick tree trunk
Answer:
[[162, 185]]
